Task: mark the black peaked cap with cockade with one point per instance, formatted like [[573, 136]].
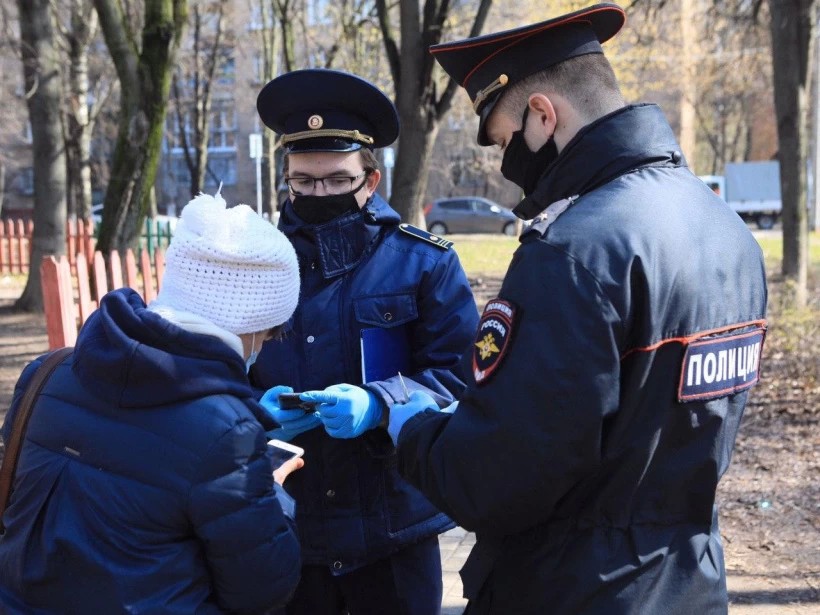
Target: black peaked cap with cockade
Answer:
[[322, 110], [487, 65]]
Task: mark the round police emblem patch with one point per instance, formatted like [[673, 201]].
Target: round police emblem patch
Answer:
[[493, 338], [315, 122]]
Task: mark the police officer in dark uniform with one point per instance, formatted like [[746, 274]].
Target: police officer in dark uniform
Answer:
[[610, 375], [378, 299]]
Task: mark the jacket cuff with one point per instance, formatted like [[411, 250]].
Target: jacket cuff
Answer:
[[285, 501], [386, 391]]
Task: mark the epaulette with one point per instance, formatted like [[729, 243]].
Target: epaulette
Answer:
[[418, 233], [542, 221]]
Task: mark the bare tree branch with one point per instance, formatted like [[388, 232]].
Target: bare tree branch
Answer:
[[446, 100], [118, 38], [389, 38]]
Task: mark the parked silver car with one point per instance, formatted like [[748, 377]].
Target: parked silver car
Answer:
[[469, 214]]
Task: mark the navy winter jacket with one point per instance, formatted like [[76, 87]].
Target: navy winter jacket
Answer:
[[363, 272], [144, 483], [609, 380]]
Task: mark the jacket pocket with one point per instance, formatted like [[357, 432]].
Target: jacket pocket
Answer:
[[386, 311]]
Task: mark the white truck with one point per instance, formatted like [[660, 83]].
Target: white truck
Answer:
[[752, 189]]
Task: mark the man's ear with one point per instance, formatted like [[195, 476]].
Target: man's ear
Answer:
[[373, 180], [543, 113]]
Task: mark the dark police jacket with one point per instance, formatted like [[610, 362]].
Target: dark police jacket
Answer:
[[609, 380], [362, 272], [144, 483]]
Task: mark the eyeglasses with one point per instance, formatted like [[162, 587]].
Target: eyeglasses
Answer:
[[335, 184]]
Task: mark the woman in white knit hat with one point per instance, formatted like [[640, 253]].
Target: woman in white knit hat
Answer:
[[145, 482]]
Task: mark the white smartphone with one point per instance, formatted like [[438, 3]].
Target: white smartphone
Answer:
[[284, 451]]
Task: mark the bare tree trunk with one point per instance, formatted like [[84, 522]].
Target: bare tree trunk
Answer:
[[410, 174], [689, 87], [41, 72], [791, 27], [272, 176], [145, 80], [199, 108], [196, 102], [2, 184], [284, 11], [418, 134], [181, 106], [420, 108], [152, 202], [78, 121], [271, 12]]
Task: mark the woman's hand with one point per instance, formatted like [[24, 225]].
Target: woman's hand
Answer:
[[283, 471]]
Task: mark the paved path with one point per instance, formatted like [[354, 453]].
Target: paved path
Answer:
[[769, 594], [455, 547]]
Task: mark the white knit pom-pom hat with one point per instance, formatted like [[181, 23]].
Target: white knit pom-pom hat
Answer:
[[231, 267]]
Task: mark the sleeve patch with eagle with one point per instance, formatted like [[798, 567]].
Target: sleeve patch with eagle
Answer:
[[493, 338]]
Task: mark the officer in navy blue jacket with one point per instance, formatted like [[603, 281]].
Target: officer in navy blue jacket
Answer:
[[610, 375], [377, 298]]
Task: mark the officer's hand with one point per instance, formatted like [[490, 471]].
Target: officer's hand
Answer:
[[400, 413], [291, 422], [347, 411]]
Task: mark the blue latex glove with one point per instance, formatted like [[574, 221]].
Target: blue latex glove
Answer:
[[346, 410], [401, 413], [451, 408], [291, 422]]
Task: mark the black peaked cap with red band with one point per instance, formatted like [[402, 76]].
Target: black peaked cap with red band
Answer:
[[486, 66], [323, 110]]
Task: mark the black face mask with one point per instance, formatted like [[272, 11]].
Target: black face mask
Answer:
[[521, 165], [314, 209]]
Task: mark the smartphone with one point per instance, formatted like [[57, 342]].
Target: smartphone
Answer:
[[291, 401], [284, 451]]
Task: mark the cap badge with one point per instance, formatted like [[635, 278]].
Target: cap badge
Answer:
[[482, 95], [315, 122]]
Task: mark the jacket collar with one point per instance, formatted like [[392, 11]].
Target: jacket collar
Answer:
[[631, 137], [341, 243]]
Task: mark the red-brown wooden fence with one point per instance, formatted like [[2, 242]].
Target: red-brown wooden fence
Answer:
[[15, 238], [71, 294], [15, 243]]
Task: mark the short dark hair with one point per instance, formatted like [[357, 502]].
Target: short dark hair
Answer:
[[369, 161], [587, 82]]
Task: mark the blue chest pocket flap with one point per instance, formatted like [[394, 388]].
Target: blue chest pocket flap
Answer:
[[386, 311]]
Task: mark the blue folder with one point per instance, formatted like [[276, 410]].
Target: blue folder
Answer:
[[385, 353]]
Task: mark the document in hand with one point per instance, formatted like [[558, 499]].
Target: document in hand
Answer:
[[385, 352]]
